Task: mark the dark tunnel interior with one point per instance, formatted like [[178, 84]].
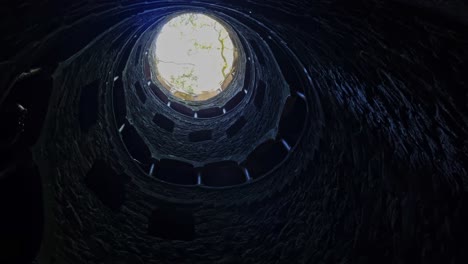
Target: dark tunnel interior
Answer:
[[338, 136]]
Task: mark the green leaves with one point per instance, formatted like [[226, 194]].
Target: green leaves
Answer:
[[185, 81]]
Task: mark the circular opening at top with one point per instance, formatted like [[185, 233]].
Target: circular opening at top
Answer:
[[194, 57]]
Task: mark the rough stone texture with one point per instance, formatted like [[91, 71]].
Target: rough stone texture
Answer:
[[378, 176]]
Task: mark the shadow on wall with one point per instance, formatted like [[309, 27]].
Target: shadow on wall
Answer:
[[21, 207]]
